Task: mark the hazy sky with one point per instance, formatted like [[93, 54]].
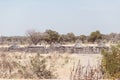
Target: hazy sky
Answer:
[[78, 16]]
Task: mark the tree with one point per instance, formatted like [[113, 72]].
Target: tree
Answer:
[[62, 38], [71, 37], [82, 38], [111, 61], [114, 37], [95, 36], [34, 36], [51, 36]]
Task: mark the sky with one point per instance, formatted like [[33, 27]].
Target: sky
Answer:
[[63, 16]]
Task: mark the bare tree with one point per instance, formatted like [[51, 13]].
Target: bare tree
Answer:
[[34, 36]]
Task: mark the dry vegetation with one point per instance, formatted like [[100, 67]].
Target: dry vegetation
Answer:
[[18, 64], [39, 66]]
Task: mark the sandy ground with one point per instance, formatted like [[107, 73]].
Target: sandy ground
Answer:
[[85, 59], [62, 63], [84, 45]]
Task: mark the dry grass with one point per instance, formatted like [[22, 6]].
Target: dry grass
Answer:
[[17, 65]]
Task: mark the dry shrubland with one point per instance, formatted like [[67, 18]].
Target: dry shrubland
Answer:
[[51, 36], [21, 65], [42, 66]]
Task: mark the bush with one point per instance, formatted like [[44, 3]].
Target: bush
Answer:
[[34, 36], [39, 67], [95, 36], [51, 36], [111, 62]]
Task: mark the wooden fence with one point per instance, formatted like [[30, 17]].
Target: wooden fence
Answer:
[[60, 49]]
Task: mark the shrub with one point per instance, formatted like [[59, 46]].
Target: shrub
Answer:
[[34, 36], [111, 62], [39, 67], [95, 36]]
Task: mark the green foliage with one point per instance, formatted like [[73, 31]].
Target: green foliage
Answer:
[[111, 61], [82, 38], [95, 36], [51, 36], [69, 37]]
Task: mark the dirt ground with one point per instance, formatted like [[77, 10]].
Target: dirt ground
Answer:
[[62, 63]]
